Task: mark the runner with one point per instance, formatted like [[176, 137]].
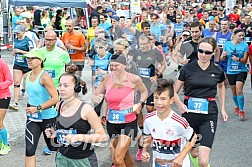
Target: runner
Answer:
[[236, 53], [22, 45], [74, 123], [5, 96], [200, 98], [121, 117], [165, 136], [42, 97]]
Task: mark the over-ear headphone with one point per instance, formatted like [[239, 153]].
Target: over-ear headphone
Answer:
[[77, 88]]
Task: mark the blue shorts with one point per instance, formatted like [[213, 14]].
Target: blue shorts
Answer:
[[223, 65]]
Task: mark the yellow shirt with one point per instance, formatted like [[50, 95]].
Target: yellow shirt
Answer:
[[90, 34]]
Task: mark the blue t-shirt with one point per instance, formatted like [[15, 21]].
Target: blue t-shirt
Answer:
[[207, 33], [26, 45], [102, 63], [156, 29], [15, 19], [235, 67]]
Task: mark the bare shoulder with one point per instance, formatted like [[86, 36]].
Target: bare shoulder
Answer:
[[134, 78], [87, 111]]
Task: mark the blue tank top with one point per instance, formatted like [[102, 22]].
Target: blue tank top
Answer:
[[235, 67], [38, 95], [222, 39], [102, 63], [24, 44]]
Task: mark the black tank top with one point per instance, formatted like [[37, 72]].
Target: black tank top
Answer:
[[75, 122]]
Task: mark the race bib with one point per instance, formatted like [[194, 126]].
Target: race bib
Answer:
[[118, 116], [19, 58], [235, 66], [144, 72], [51, 73], [71, 51], [158, 165], [61, 133], [247, 39], [36, 117], [221, 41], [198, 105]]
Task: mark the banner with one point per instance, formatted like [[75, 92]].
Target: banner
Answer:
[[135, 7], [229, 6]]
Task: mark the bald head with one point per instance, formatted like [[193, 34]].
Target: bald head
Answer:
[[48, 28], [70, 21], [50, 33], [69, 26]]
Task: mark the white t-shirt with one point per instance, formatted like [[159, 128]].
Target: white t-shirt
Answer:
[[168, 135]]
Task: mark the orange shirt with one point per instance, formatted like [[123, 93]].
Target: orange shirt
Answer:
[[76, 39]]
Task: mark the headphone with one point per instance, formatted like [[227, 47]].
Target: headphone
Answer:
[[77, 87]]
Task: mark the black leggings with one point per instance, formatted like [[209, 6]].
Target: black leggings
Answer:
[[32, 134]]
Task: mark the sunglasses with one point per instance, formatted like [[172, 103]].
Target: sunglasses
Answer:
[[99, 47], [207, 52]]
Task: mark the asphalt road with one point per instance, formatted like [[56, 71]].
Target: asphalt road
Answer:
[[232, 146]]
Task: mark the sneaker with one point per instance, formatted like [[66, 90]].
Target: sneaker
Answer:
[[103, 120], [242, 115], [139, 155], [5, 149], [14, 106], [46, 151], [236, 111]]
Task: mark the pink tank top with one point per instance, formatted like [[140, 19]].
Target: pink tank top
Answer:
[[121, 98]]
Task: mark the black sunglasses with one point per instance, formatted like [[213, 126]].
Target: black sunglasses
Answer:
[[207, 52], [99, 47]]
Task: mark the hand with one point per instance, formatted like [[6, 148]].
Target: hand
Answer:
[[15, 51], [100, 71], [224, 115], [91, 62], [182, 108], [72, 138], [69, 46], [137, 108], [145, 157], [185, 61], [31, 110], [98, 98], [234, 58], [154, 78], [177, 162], [50, 133]]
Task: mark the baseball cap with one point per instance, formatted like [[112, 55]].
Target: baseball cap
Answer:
[[221, 8], [18, 29], [119, 58], [186, 24], [36, 53], [186, 32], [231, 26], [115, 18]]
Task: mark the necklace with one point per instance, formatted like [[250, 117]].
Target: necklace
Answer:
[[68, 102]]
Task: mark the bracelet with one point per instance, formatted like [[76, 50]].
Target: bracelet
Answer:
[[239, 59]]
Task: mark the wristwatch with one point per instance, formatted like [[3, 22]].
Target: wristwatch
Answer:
[[158, 75], [39, 108]]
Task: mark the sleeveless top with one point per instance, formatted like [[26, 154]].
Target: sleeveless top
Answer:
[[119, 98], [75, 122], [38, 95]]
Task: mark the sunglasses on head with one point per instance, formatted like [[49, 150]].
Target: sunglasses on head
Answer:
[[207, 52], [99, 47]]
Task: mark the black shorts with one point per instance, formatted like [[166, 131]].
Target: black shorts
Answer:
[[21, 68], [232, 78], [150, 100], [114, 130], [204, 125], [4, 103]]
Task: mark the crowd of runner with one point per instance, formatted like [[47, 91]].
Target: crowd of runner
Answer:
[[128, 57]]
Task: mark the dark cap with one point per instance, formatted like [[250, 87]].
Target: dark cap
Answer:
[[119, 58], [231, 26], [221, 8], [186, 24], [115, 18]]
